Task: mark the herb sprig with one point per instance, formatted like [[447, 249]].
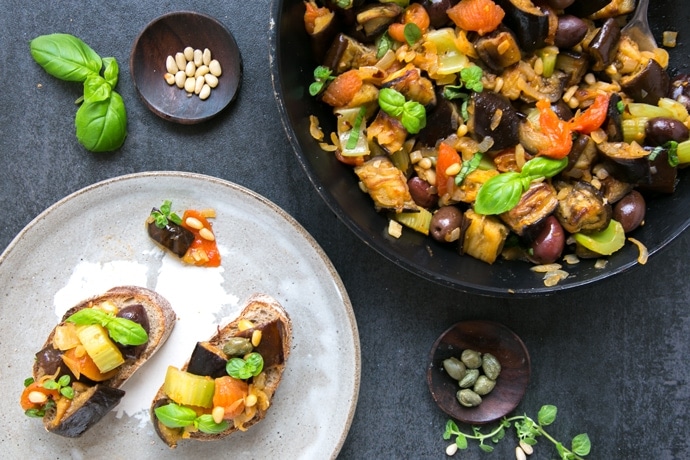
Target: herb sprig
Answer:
[[175, 416], [164, 214], [411, 114], [322, 76], [527, 431], [242, 369]]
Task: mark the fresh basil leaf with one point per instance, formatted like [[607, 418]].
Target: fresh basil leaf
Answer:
[[472, 78], [413, 117], [543, 167], [581, 445], [451, 92], [67, 392], [236, 368], [87, 316], [356, 128], [547, 415], [499, 194], [125, 331], [96, 89], [102, 125], [35, 413], [206, 424], [175, 416], [391, 102], [468, 167], [412, 33], [64, 380], [65, 57], [28, 381], [672, 153], [384, 43], [461, 441], [111, 71], [255, 363]]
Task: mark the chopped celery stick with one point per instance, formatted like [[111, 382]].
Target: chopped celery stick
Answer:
[[640, 110], [417, 221], [189, 389], [450, 59], [683, 152], [548, 57], [634, 129], [678, 110], [99, 347], [605, 242]]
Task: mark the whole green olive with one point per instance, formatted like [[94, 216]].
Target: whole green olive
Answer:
[[471, 358], [455, 368], [237, 346], [483, 385]]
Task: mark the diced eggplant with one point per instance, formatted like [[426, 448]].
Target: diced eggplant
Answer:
[[613, 125], [322, 32], [573, 64], [49, 360], [537, 203], [271, 346], [88, 407], [647, 85], [495, 116], [583, 209], [529, 22], [346, 53], [387, 131], [663, 177], [604, 45], [373, 19], [581, 157], [498, 50], [436, 9], [410, 82], [614, 189], [136, 313], [386, 185], [484, 236], [627, 162], [173, 236], [441, 121], [207, 360], [584, 8]]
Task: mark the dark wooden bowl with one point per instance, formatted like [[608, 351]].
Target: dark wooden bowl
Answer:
[[484, 337], [168, 35]]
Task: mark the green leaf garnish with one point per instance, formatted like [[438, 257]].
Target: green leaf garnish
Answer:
[[502, 193], [162, 216], [468, 167], [354, 132], [412, 114], [412, 33], [472, 78], [62, 385], [175, 416], [206, 424], [322, 76], [244, 369], [384, 43], [122, 330]]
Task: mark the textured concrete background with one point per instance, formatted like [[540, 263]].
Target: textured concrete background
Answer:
[[612, 357]]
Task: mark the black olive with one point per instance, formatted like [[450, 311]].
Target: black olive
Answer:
[[660, 130], [421, 192], [549, 243], [571, 30], [680, 89], [630, 211], [50, 359], [136, 313], [446, 223]]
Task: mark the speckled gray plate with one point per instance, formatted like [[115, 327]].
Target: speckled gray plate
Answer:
[[95, 239]]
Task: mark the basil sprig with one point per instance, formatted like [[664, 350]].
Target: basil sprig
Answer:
[[101, 120], [122, 330], [242, 369], [411, 114], [175, 416], [502, 193], [164, 214]]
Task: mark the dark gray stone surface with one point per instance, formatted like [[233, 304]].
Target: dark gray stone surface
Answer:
[[613, 357]]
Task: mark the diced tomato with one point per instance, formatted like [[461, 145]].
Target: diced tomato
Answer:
[[557, 131], [592, 118], [80, 363], [447, 156], [203, 251], [229, 394], [36, 387], [313, 14], [414, 14], [481, 16], [342, 89]]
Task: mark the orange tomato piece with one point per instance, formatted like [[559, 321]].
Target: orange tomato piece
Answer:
[[481, 16], [557, 131], [80, 363], [202, 252], [36, 387], [229, 394], [593, 117], [312, 14], [414, 14], [447, 156], [342, 89]]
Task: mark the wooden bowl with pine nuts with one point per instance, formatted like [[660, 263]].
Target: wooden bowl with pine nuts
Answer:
[[186, 67]]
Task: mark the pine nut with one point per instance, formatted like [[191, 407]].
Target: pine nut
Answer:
[[200, 82], [188, 53], [207, 234], [171, 65], [205, 92], [452, 449], [180, 78], [194, 223], [211, 80], [214, 67], [197, 58], [218, 413], [169, 78], [206, 56], [256, 338], [520, 454], [453, 169], [201, 71], [190, 69], [529, 450], [425, 163], [250, 400], [180, 61], [244, 324], [37, 397], [189, 84]]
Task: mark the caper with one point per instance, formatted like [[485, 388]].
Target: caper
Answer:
[[491, 366], [468, 398], [484, 385], [455, 368], [472, 359], [470, 378], [237, 346]]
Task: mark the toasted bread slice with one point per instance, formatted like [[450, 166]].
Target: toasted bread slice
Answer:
[[267, 315], [93, 400]]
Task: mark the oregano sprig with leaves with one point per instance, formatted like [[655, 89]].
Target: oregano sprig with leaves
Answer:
[[527, 431]]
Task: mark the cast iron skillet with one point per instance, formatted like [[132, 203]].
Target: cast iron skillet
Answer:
[[292, 66]]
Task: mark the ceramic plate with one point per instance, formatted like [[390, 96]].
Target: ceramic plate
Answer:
[[95, 239]]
